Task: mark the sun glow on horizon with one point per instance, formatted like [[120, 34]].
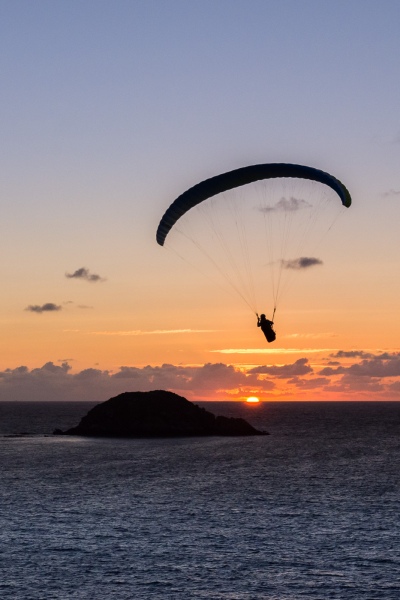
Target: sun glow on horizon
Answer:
[[253, 400]]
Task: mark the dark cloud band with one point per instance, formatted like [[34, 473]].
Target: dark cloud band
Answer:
[[303, 262], [84, 274], [47, 307]]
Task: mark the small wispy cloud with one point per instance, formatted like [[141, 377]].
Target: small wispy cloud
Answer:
[[309, 336], [69, 302], [287, 205], [84, 274], [391, 193], [47, 307], [303, 262], [272, 350], [154, 332], [353, 354]]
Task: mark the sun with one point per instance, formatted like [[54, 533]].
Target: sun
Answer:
[[252, 400]]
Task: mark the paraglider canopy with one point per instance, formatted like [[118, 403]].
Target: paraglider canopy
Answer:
[[238, 177], [253, 227]]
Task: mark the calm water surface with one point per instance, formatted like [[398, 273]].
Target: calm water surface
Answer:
[[311, 511]]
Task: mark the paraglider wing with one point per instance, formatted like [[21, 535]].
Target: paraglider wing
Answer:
[[238, 177]]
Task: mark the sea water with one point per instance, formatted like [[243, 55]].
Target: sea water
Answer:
[[310, 511]]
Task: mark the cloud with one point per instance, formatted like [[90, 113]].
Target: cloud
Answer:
[[352, 354], [287, 205], [215, 376], [139, 332], [78, 305], [361, 389], [374, 378], [300, 367], [327, 371], [391, 193], [48, 307], [53, 382], [309, 384], [310, 336], [303, 262], [382, 365], [274, 350], [84, 274]]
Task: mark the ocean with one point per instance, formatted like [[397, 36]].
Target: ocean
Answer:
[[310, 511]]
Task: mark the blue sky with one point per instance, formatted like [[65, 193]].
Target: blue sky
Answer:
[[112, 109]]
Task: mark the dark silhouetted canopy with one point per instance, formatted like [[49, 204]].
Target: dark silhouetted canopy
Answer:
[[238, 177]]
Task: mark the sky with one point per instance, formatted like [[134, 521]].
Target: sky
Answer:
[[109, 111]]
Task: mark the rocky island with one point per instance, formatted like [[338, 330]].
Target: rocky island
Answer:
[[156, 414]]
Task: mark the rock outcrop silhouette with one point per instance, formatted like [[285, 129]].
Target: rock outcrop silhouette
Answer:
[[156, 414]]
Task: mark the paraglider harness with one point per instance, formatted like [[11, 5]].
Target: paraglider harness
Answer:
[[266, 327]]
